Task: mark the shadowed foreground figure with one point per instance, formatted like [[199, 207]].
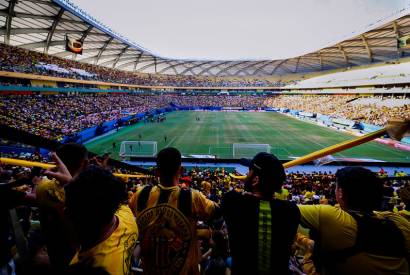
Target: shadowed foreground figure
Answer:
[[261, 229], [352, 238], [106, 229]]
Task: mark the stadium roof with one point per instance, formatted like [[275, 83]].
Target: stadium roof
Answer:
[[42, 25]]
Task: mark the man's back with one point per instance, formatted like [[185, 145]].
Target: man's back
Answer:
[[338, 229], [252, 250], [202, 207], [143, 205]]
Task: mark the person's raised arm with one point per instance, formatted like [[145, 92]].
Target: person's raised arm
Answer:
[[61, 172]]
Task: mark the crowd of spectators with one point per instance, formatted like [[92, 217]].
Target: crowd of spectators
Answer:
[[60, 115], [16, 59], [56, 116], [215, 185], [218, 101], [340, 106]]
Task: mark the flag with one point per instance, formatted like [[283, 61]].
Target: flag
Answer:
[[73, 45]]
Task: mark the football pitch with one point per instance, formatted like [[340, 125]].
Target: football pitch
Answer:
[[215, 133]]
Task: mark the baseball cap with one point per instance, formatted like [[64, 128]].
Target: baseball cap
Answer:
[[266, 164]]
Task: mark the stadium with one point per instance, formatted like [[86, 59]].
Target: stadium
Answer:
[[115, 111]]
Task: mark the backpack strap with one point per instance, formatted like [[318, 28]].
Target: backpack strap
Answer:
[[370, 228], [185, 201], [164, 195], [143, 198], [391, 243]]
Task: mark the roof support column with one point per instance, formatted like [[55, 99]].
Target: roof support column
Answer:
[[52, 30], [10, 14], [102, 50], [244, 69], [340, 47], [136, 62], [119, 56], [319, 56], [366, 45], [297, 64], [398, 34], [190, 69], [173, 67], [278, 65]]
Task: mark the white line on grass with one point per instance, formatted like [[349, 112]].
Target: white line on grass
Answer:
[[171, 141]]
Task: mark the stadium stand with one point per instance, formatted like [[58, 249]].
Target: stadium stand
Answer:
[[58, 116], [380, 102], [80, 217], [349, 106], [15, 59], [378, 75]]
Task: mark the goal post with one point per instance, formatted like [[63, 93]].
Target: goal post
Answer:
[[249, 150], [138, 149]]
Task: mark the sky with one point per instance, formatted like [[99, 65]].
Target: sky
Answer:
[[238, 29]]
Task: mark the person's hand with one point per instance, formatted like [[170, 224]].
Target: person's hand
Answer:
[[61, 172]]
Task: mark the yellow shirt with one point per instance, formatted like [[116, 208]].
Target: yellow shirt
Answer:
[[338, 231], [202, 208], [115, 253], [50, 193], [309, 194], [282, 195]]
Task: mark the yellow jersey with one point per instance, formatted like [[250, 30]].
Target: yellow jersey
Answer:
[[201, 208], [309, 194], [50, 193], [283, 195], [115, 253], [338, 231]]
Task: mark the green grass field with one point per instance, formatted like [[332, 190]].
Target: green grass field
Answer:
[[217, 131]]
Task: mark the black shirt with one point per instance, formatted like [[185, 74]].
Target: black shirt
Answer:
[[241, 213]]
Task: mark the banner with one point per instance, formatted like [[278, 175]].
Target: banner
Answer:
[[232, 108], [307, 114], [343, 121], [73, 45]]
